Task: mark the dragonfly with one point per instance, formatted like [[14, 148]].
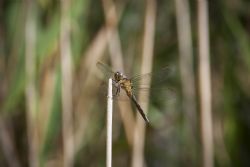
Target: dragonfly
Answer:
[[131, 85]]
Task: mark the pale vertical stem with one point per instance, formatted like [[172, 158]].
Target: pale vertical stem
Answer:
[[147, 60], [186, 69], [30, 90], [66, 68], [205, 84], [109, 125], [114, 46]]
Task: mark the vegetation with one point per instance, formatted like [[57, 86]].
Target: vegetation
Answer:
[[53, 114]]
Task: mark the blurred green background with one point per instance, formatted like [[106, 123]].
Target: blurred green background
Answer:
[[49, 82]]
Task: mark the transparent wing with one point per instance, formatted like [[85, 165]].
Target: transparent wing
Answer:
[[161, 83], [156, 93], [163, 76], [106, 70]]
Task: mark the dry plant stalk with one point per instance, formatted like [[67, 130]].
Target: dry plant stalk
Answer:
[[114, 46], [109, 125], [30, 90], [205, 84], [187, 73], [92, 55], [147, 59], [66, 68]]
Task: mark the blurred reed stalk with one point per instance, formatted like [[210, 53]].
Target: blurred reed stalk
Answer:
[[109, 125], [146, 67], [7, 141], [114, 46], [30, 89], [91, 56], [187, 76], [66, 69], [7, 144], [205, 84]]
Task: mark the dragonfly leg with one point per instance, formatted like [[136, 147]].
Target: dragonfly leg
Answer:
[[113, 81], [117, 86], [118, 89]]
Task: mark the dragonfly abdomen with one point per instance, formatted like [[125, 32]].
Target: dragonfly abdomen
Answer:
[[139, 108]]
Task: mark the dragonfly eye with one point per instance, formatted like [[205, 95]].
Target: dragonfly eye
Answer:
[[118, 76]]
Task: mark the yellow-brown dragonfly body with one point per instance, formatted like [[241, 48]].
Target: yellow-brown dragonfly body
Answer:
[[130, 85], [121, 81]]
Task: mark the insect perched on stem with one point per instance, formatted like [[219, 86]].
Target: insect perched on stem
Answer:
[[130, 85]]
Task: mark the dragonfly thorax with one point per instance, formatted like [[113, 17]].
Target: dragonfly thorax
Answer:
[[119, 76]]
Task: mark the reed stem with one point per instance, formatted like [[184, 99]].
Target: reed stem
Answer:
[[109, 125]]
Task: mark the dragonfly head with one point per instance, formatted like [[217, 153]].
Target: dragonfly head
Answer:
[[118, 76]]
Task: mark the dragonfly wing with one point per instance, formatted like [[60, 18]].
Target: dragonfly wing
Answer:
[[107, 71], [156, 93], [165, 75]]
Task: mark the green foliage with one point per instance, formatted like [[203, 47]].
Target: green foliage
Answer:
[[166, 143]]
